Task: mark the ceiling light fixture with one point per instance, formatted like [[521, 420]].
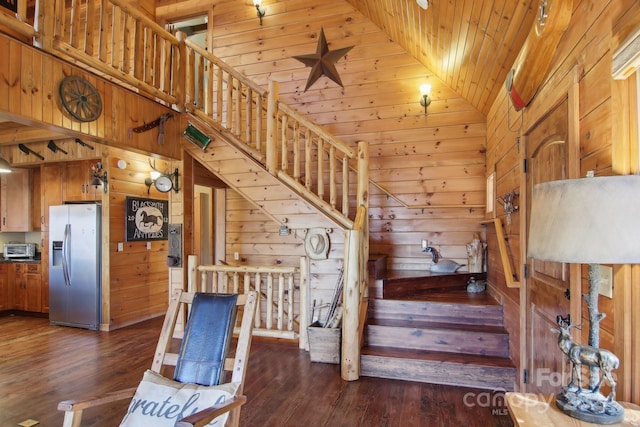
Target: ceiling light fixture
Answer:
[[423, 4], [261, 11], [425, 96]]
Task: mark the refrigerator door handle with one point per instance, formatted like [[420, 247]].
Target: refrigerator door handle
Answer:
[[65, 254]]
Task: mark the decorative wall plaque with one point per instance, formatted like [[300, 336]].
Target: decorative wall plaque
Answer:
[[147, 219]]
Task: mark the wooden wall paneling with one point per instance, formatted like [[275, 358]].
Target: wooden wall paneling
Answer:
[[583, 56], [139, 277], [14, 72], [33, 99], [625, 159], [5, 46]]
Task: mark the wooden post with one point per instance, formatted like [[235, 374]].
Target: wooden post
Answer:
[[192, 277], [304, 303], [363, 174], [272, 146], [180, 80], [350, 364], [44, 24]]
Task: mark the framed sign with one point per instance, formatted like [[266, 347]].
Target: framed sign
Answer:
[[146, 219], [12, 5]]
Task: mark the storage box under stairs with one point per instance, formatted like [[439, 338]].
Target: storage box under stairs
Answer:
[[444, 336]]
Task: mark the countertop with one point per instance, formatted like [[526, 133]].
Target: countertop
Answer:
[[36, 260]]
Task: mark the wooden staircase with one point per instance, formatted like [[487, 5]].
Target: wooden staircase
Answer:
[[240, 171], [440, 335]]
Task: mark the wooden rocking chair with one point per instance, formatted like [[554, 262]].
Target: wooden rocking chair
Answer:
[[201, 364]]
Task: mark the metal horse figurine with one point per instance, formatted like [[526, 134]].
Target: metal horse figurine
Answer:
[[586, 355]]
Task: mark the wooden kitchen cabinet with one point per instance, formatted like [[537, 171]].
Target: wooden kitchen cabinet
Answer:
[[5, 300], [77, 182], [52, 190], [14, 201], [35, 196], [27, 287]]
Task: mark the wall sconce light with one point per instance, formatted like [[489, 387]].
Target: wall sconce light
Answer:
[[98, 178], [164, 182], [196, 136], [261, 11], [425, 96]]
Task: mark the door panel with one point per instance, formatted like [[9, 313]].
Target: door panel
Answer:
[[547, 282]]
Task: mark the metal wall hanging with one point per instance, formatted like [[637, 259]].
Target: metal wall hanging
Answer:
[[323, 61], [509, 202], [159, 123]]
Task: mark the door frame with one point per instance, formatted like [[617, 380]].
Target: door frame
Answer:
[[572, 95]]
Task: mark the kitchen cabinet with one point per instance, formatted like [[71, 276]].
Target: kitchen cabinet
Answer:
[[5, 299], [77, 182], [35, 196], [52, 190], [25, 278], [15, 201]]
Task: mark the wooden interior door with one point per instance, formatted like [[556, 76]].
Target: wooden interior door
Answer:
[[203, 224], [548, 282]]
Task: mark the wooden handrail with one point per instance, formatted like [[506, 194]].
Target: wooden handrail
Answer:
[[17, 25], [510, 278]]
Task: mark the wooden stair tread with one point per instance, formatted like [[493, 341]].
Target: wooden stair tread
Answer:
[[452, 296], [420, 324], [437, 356]]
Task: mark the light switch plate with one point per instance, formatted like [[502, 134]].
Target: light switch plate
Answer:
[[120, 246], [606, 281]]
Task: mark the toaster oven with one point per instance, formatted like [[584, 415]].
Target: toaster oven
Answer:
[[19, 250]]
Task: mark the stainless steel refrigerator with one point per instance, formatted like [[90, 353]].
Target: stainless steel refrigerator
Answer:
[[75, 265]]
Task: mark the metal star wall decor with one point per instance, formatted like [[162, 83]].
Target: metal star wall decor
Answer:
[[323, 61]]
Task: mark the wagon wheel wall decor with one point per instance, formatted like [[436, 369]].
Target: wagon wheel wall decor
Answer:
[[80, 99]]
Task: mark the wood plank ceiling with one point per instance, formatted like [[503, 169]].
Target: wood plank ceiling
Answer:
[[469, 44]]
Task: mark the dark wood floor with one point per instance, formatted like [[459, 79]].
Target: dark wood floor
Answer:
[[42, 364]]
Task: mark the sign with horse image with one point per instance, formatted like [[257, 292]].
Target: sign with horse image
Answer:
[[146, 219]]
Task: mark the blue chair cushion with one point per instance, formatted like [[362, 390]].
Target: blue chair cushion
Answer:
[[207, 335]]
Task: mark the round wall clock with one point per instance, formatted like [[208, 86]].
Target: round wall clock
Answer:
[[164, 184], [80, 99]]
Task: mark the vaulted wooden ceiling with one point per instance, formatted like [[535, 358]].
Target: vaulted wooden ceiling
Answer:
[[468, 44]]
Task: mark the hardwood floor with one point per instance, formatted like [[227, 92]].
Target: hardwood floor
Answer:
[[42, 364]]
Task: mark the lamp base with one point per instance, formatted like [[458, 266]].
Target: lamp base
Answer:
[[585, 405]]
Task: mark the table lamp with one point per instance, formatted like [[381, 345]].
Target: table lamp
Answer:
[[587, 221]]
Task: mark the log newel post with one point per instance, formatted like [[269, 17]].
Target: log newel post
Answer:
[[350, 363], [272, 116], [305, 310]]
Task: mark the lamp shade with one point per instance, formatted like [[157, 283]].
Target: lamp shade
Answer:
[[5, 167], [586, 221]]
